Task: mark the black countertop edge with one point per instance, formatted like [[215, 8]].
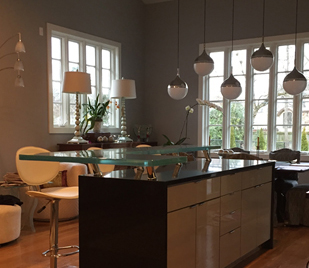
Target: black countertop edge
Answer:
[[192, 171]]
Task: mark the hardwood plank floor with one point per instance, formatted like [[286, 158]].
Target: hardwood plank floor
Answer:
[[291, 248]]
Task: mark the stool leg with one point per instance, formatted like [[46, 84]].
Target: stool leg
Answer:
[[53, 235]]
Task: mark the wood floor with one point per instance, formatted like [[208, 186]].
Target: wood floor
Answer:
[[291, 248]]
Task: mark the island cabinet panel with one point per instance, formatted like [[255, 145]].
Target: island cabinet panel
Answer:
[[209, 220]]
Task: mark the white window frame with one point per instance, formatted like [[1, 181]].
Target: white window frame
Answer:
[[85, 39], [249, 44]]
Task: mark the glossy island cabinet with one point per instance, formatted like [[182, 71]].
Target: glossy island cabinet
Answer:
[[210, 218]]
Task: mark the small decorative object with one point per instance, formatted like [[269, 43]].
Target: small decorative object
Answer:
[[93, 115], [100, 139], [105, 138], [143, 132], [110, 138]]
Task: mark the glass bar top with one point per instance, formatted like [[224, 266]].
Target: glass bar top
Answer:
[[114, 157], [164, 149]]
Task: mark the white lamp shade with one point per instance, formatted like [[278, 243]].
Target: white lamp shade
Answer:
[[231, 88], [20, 47], [203, 64], [177, 89], [203, 68], [123, 88], [76, 82], [18, 66], [295, 82], [261, 63], [19, 82], [262, 59]]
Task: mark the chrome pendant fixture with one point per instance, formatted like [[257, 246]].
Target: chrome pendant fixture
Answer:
[[295, 82], [262, 59], [204, 64], [231, 88], [177, 89]]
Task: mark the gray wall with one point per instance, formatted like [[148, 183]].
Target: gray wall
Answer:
[[148, 37], [24, 111]]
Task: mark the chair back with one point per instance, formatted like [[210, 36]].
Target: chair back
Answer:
[[285, 154], [104, 168], [35, 172]]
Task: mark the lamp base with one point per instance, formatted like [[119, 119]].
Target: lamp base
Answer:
[[124, 139], [77, 140]]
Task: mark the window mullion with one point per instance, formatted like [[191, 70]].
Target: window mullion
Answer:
[[248, 102]]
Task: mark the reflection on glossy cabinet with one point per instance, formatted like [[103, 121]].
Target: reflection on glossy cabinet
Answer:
[[181, 228], [207, 234], [256, 212]]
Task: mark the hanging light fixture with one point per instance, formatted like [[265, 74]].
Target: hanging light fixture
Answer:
[[262, 59], [295, 82], [177, 89], [204, 64], [231, 88]]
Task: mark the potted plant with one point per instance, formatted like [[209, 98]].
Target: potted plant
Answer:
[[93, 115]]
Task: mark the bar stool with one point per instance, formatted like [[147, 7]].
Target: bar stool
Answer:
[[36, 173]]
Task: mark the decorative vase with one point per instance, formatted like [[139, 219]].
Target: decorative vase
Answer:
[[97, 126]]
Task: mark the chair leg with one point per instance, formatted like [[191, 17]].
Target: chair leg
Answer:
[[53, 235], [52, 252]]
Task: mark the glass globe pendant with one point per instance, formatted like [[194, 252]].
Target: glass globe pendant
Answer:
[[231, 88]]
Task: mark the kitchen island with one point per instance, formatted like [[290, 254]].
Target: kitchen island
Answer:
[[202, 218]]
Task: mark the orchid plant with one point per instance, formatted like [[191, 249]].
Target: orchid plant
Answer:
[[190, 110]]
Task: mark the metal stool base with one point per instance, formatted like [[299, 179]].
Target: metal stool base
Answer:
[[47, 252]]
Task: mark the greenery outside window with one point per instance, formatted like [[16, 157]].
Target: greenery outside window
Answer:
[[263, 109]]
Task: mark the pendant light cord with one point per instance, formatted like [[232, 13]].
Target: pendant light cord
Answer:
[[296, 24], [263, 21], [204, 24], [178, 40], [233, 26]]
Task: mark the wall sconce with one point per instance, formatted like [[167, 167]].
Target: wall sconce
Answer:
[[18, 66]]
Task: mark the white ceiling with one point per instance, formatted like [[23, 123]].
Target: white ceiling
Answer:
[[154, 1]]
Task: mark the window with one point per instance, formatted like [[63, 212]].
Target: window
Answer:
[[263, 109], [70, 50]]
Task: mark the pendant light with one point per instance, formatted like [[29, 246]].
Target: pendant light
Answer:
[[231, 88], [177, 89], [295, 82], [204, 64], [262, 59]]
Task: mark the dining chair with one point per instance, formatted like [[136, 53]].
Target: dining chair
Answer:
[[36, 173]]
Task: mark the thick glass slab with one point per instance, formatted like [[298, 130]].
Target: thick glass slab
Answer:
[[114, 157]]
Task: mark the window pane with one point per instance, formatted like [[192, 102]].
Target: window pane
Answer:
[[56, 70], [242, 81], [56, 48], [105, 78], [261, 132], [214, 88], [57, 114], [73, 51], [57, 93], [284, 112], [281, 93], [284, 138], [286, 55], [218, 58], [90, 55], [237, 113], [306, 91], [260, 86], [237, 136], [91, 71], [106, 59], [215, 133], [239, 62], [260, 112], [73, 67], [72, 114]]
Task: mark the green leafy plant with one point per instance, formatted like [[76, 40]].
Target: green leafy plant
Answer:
[[92, 113]]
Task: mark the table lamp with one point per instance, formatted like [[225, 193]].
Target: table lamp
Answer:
[[78, 83], [123, 89]]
